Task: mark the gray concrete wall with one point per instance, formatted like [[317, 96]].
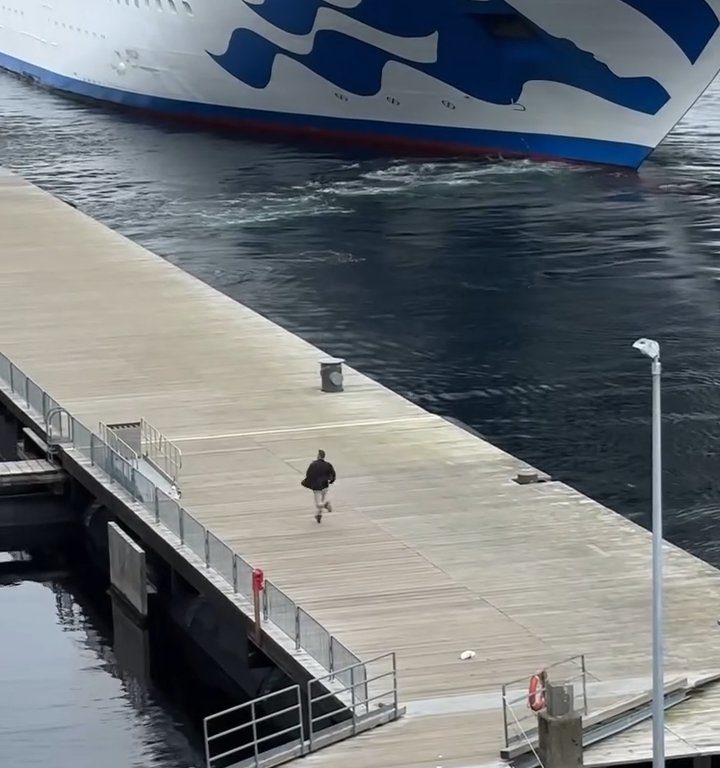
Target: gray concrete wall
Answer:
[[127, 568]]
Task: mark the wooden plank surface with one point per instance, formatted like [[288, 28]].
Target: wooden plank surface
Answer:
[[432, 548], [692, 728], [27, 467]]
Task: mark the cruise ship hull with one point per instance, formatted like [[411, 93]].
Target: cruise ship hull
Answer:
[[599, 81]]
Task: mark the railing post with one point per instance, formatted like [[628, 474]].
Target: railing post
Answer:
[[44, 404], [331, 660], [352, 699], [207, 743], [207, 548], [395, 686], [584, 679], [235, 574], [265, 605], [181, 523], [27, 391], [310, 715], [505, 720], [156, 500], [92, 449], [300, 720], [297, 628], [255, 736], [12, 377]]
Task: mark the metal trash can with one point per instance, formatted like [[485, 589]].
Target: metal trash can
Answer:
[[331, 375]]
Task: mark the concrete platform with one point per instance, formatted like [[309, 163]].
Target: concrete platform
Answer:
[[432, 548]]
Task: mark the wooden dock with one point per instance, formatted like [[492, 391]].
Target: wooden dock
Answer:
[[432, 548], [38, 470]]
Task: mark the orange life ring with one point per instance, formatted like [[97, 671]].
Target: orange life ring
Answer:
[[536, 692]]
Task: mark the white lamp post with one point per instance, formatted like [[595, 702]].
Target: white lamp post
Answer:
[[651, 349]]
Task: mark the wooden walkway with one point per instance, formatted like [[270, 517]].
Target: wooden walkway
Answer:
[[29, 473], [432, 548]]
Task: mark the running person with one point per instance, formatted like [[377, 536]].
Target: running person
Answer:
[[319, 477]]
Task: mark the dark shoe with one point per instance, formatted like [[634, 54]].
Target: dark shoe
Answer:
[[318, 517], [328, 506]]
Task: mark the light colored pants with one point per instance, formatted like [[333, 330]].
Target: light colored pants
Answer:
[[320, 498]]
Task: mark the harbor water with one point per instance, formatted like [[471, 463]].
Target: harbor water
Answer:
[[67, 701]]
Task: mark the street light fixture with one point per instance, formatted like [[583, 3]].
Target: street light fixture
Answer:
[[651, 349]]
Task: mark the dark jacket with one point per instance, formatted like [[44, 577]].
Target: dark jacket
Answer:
[[320, 474]]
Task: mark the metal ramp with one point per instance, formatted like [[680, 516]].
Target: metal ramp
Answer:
[[288, 724], [147, 450]]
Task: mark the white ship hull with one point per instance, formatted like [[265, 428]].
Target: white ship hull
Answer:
[[592, 80]]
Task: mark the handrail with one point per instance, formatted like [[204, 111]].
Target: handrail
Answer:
[[359, 684], [50, 415], [253, 743], [159, 450], [114, 441]]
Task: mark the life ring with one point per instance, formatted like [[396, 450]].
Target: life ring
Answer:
[[536, 692]]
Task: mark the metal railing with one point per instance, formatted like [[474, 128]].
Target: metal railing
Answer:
[[519, 719], [270, 730], [245, 734], [370, 682], [114, 441], [59, 424], [306, 632], [161, 452]]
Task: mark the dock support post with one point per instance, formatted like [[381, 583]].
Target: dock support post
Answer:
[[560, 729]]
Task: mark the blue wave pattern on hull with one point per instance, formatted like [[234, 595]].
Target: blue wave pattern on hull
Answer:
[[470, 56], [452, 139], [690, 23]]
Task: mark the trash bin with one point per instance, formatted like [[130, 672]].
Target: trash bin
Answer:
[[331, 375]]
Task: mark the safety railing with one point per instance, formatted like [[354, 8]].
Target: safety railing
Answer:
[[371, 687], [522, 703], [114, 441], [59, 424], [273, 728], [306, 633], [246, 734], [161, 452]]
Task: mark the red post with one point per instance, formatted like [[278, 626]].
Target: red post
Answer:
[[258, 585]]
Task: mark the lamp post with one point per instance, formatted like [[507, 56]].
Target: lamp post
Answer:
[[651, 349]]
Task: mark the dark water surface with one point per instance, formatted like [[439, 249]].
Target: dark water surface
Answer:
[[505, 294], [66, 701]]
